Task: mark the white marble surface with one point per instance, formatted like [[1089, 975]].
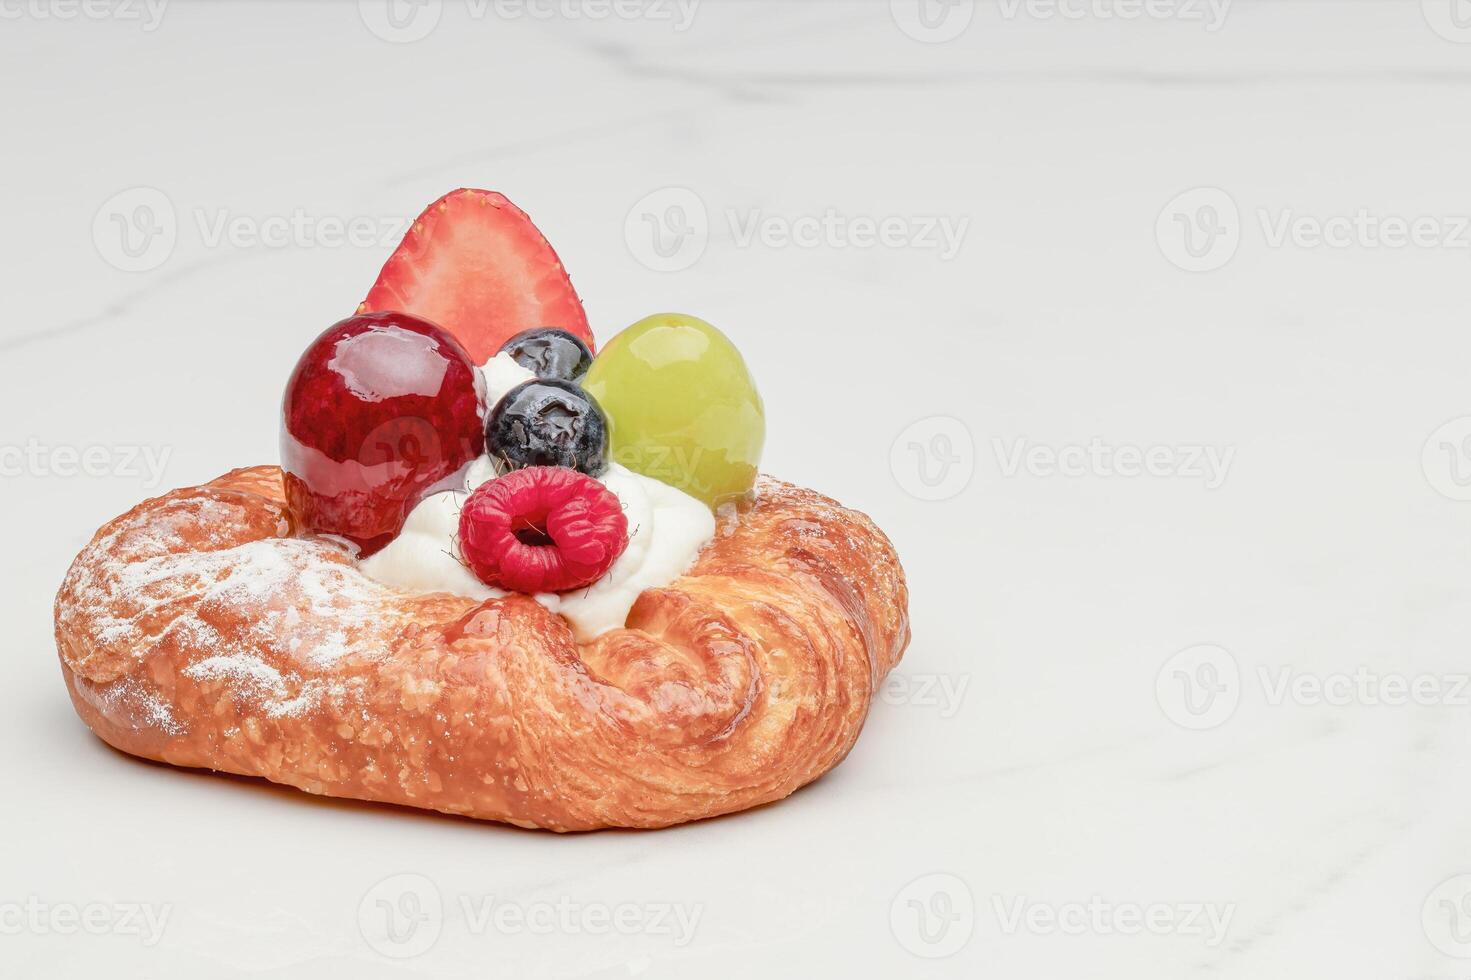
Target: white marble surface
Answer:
[[1029, 747]]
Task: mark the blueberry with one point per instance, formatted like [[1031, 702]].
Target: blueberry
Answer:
[[548, 423], [549, 353]]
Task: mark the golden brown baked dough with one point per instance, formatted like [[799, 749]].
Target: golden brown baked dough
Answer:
[[198, 631]]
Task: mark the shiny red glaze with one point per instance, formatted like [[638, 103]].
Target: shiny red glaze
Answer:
[[381, 410]]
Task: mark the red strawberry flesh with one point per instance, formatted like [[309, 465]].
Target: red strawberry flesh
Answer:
[[475, 264]]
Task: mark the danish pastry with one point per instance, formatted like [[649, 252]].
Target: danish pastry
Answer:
[[496, 574], [200, 630]]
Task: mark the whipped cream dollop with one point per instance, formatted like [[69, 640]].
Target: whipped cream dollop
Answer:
[[666, 530], [501, 374]]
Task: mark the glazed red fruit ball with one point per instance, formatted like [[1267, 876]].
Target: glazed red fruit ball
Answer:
[[381, 410], [542, 529]]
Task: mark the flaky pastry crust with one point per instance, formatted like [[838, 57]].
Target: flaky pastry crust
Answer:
[[199, 630]]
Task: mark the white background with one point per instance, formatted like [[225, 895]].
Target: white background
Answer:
[[1037, 749]]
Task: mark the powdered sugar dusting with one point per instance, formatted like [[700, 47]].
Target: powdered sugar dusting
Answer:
[[281, 590], [246, 671], [252, 679], [126, 703], [270, 618]]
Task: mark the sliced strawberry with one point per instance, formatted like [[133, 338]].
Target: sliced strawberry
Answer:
[[475, 264]]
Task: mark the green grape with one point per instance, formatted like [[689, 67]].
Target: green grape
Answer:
[[681, 406]]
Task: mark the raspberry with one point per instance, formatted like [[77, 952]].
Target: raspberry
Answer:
[[542, 529]]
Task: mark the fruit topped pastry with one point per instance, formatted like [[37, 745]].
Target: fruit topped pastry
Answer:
[[500, 571]]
